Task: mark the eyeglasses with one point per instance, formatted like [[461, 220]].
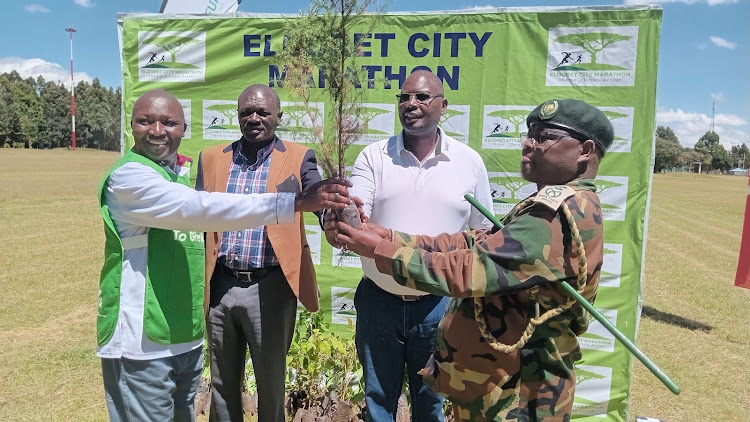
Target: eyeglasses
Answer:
[[422, 97], [550, 135]]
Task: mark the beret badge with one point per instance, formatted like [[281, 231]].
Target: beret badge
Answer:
[[548, 110]]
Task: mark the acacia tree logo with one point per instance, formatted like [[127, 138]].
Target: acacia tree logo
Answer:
[[613, 115], [514, 117], [606, 274], [227, 110], [449, 114], [512, 184], [604, 185], [582, 376], [171, 44], [592, 43], [293, 120], [366, 115]]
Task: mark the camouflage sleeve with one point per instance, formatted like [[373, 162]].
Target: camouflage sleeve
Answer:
[[509, 260], [440, 243]]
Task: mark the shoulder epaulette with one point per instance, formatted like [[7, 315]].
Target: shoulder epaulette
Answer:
[[553, 196]]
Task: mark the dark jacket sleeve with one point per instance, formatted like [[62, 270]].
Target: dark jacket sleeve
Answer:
[[199, 177], [309, 175]]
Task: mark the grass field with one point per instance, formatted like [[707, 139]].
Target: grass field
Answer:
[[695, 324]]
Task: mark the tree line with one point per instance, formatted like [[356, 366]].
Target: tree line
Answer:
[[35, 113], [707, 151]]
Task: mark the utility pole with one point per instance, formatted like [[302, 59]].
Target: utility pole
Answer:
[[713, 117], [72, 91]]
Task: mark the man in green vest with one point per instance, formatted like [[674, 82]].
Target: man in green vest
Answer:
[[150, 324]]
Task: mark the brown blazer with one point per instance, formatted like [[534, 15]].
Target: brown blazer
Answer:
[[291, 167]]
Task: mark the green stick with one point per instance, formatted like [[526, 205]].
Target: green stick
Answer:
[[671, 385]]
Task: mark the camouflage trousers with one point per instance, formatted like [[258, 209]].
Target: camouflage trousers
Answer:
[[550, 400], [534, 384]]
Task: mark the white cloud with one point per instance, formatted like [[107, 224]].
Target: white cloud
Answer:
[[717, 96], [37, 67], [709, 2], [36, 8], [84, 3], [690, 126], [721, 42]]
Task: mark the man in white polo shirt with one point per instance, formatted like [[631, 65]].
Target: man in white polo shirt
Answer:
[[413, 182]]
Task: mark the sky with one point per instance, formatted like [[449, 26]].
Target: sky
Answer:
[[704, 53]]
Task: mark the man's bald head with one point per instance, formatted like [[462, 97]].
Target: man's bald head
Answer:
[[430, 80], [158, 96], [259, 90]]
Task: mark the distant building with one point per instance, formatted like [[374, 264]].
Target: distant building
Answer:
[[738, 172]]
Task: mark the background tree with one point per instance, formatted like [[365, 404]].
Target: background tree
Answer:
[[709, 146], [94, 117], [23, 108], [668, 149], [688, 157], [35, 112], [55, 129], [739, 155]]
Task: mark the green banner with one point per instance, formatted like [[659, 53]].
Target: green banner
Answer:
[[495, 67]]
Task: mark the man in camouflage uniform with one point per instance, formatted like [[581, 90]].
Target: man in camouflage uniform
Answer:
[[511, 270]]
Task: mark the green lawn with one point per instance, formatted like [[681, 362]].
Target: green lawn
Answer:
[[694, 325]]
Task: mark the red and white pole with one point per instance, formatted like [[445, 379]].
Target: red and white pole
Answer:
[[72, 91]]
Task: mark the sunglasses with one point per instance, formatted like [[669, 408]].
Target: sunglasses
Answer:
[[550, 135], [422, 98]]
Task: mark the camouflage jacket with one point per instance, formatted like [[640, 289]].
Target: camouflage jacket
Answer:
[[510, 269]]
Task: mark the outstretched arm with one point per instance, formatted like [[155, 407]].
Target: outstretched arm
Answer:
[[509, 260]]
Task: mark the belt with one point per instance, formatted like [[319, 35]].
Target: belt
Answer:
[[247, 276], [405, 298]]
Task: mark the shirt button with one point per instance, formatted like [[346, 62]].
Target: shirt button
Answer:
[[247, 189], [239, 235]]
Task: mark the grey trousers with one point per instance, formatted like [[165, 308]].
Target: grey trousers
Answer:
[[259, 316], [152, 390]]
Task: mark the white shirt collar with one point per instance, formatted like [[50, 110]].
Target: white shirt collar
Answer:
[[443, 144]]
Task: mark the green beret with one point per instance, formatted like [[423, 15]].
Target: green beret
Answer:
[[577, 116]]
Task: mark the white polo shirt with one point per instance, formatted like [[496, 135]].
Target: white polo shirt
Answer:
[[402, 194]]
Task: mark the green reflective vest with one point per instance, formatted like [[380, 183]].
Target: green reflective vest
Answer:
[[173, 308]]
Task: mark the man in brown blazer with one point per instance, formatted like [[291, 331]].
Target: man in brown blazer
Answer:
[[254, 277]]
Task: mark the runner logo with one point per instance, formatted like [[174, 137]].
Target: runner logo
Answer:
[[502, 126], [594, 56], [342, 305], [171, 56], [455, 122], [507, 189], [220, 120]]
